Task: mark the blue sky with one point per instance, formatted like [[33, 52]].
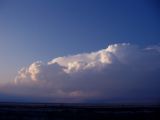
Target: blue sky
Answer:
[[44, 29], [32, 30]]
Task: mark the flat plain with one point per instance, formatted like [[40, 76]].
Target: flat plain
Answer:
[[59, 111]]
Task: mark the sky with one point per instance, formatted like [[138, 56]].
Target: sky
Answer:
[[44, 30]]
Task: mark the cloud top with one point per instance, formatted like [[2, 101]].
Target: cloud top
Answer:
[[121, 72]]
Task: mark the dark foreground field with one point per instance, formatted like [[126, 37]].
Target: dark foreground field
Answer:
[[19, 111]]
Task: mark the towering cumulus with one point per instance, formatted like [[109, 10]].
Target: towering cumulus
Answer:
[[120, 72]]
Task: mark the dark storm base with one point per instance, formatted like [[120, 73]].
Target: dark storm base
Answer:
[[21, 111]]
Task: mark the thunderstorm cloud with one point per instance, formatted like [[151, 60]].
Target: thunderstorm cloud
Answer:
[[119, 73]]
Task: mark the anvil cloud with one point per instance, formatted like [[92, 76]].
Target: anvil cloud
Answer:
[[121, 72]]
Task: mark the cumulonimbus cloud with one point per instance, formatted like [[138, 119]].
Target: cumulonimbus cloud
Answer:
[[122, 71]]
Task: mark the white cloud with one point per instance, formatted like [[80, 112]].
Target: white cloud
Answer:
[[119, 71]]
